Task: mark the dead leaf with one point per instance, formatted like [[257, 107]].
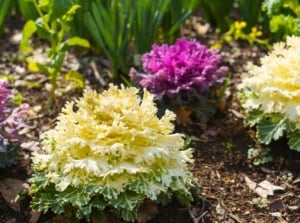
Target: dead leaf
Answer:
[[201, 29], [279, 217], [263, 189], [251, 184], [9, 189], [183, 114], [196, 214], [268, 188]]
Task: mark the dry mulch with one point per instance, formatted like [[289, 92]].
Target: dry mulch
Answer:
[[221, 168]]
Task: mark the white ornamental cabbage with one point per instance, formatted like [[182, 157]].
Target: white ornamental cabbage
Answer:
[[270, 95], [113, 148]]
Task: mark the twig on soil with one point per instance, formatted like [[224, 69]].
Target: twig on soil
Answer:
[[97, 74], [225, 211], [196, 219]]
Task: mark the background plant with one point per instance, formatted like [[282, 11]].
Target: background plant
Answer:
[[131, 27], [237, 32], [177, 13], [148, 17], [217, 13], [53, 25], [5, 6], [270, 95], [11, 122], [110, 152], [27, 9], [109, 23], [284, 18], [260, 156], [183, 76], [251, 13]]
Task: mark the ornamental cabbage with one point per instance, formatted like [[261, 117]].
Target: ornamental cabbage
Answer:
[[11, 122], [185, 76], [110, 151], [270, 95], [187, 65]]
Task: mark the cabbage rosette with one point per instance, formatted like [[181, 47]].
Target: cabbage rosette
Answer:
[[270, 95], [110, 151]]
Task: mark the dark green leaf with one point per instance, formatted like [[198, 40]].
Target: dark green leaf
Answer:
[[294, 140], [60, 8], [271, 129], [254, 117]]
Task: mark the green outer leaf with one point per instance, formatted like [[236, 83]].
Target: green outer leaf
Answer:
[[271, 129], [254, 117], [294, 140]]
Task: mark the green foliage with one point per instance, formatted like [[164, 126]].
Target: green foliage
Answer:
[[147, 21], [109, 23], [271, 128], [53, 25], [284, 17], [177, 13], [27, 9], [121, 29], [274, 127], [5, 6], [260, 156], [250, 12], [217, 12]]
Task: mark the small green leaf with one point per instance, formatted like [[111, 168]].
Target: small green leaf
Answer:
[[29, 29], [98, 203], [77, 41], [128, 200], [109, 193], [254, 117], [294, 140], [76, 77], [271, 129]]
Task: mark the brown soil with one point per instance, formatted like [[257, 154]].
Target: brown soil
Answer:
[[220, 152]]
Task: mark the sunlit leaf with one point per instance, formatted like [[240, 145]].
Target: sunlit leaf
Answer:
[[77, 41], [29, 29], [76, 77]]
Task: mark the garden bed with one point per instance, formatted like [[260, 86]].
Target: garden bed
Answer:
[[221, 167]]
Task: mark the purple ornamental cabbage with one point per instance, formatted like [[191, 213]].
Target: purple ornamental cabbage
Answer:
[[186, 65], [11, 119]]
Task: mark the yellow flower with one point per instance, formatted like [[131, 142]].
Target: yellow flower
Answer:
[[239, 25], [255, 33]]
